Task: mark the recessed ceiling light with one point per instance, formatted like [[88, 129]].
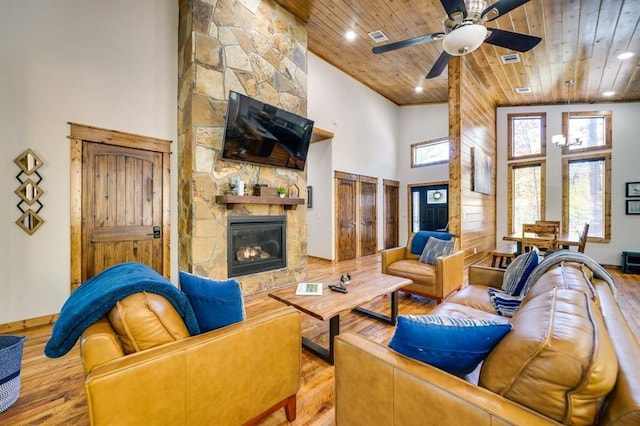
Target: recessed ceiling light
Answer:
[[419, 89], [625, 55], [609, 93], [350, 35]]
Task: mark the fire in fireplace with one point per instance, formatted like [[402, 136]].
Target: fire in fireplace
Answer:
[[256, 244]]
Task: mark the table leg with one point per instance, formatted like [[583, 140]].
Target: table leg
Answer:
[[319, 351], [391, 320]]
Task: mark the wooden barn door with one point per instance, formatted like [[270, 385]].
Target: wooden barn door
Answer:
[[346, 216], [368, 215], [123, 202], [391, 200]]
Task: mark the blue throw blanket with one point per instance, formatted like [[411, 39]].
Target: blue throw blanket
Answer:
[[98, 295]]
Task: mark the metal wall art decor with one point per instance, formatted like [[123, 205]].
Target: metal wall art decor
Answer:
[[29, 191]]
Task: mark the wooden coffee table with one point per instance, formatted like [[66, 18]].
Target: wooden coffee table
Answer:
[[329, 305]]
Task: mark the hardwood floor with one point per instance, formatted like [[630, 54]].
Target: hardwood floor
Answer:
[[52, 389]]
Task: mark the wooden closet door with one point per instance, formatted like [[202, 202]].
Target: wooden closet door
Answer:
[[391, 200], [368, 215], [346, 216]]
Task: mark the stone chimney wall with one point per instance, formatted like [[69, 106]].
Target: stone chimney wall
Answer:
[[256, 48]]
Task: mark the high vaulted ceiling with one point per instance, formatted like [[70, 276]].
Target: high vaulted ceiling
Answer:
[[581, 40]]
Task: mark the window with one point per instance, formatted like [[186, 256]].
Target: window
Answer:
[[592, 130], [527, 135], [435, 151], [527, 202], [587, 189], [526, 177]]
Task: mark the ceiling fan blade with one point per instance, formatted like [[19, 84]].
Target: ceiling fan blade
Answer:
[[408, 42], [453, 6], [502, 7], [440, 65], [511, 40]]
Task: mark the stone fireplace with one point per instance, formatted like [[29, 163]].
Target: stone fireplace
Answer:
[[256, 244], [256, 48]]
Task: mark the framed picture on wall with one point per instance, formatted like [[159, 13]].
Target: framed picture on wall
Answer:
[[633, 189], [481, 171], [633, 207]]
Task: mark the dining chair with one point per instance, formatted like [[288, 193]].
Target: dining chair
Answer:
[[539, 235], [583, 238], [555, 223]]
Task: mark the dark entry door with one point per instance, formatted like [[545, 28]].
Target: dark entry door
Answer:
[[429, 208]]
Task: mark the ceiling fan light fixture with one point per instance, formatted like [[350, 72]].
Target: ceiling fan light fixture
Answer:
[[464, 39]]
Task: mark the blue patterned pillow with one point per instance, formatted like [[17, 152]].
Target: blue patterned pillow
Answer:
[[518, 271], [435, 247], [420, 238], [216, 303], [456, 345]]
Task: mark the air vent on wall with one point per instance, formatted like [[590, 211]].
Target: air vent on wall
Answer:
[[511, 58], [378, 36], [525, 89]]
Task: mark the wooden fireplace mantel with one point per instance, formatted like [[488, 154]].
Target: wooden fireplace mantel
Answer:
[[289, 203]]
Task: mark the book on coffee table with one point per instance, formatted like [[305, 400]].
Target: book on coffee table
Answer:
[[309, 289]]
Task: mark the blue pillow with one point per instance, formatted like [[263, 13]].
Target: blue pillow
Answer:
[[455, 345], [516, 274], [216, 303], [420, 239], [434, 248]]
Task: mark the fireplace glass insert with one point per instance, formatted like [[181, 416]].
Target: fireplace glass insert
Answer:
[[256, 244]]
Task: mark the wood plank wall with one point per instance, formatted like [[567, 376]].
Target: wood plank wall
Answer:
[[472, 125]]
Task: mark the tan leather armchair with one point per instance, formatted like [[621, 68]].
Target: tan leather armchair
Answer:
[[433, 281], [235, 375]]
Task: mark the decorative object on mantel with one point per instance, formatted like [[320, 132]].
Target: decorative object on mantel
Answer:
[[29, 191], [294, 190], [262, 190], [282, 191]]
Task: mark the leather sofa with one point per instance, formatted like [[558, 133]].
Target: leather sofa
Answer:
[[570, 358], [234, 375], [433, 281]]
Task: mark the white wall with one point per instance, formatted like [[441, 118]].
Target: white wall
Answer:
[[364, 124], [373, 137], [110, 64], [418, 123], [625, 229]]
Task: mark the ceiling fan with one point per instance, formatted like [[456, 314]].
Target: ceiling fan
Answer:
[[464, 31]]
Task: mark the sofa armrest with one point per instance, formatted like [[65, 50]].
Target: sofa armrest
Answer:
[[226, 376], [391, 255], [486, 276], [450, 272], [376, 385]]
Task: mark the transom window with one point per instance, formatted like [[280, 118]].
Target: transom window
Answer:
[[527, 135], [435, 151], [587, 130]]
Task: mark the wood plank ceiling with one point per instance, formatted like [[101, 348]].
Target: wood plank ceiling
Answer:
[[581, 42]]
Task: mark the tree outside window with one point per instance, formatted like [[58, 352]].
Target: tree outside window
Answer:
[[431, 152]]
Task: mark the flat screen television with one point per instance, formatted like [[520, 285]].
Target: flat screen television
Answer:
[[263, 134]]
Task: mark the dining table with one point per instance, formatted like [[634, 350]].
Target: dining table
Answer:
[[565, 239]]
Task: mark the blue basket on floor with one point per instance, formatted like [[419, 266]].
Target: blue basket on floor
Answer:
[[10, 361]]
